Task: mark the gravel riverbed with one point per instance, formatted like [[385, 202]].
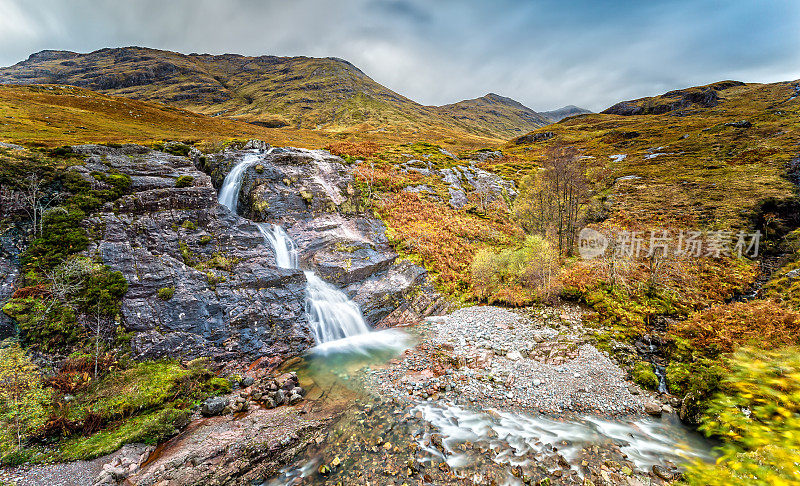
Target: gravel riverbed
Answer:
[[493, 357]]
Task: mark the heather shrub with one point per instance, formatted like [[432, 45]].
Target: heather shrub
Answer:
[[516, 276]]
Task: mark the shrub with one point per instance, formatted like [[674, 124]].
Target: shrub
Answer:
[[48, 325], [516, 276], [166, 293], [205, 239], [724, 328], [700, 377], [189, 225], [757, 414], [184, 181], [176, 148], [104, 289], [120, 183], [61, 237], [350, 150], [22, 400], [46, 312]]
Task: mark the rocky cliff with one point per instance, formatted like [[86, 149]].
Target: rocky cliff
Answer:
[[202, 280]]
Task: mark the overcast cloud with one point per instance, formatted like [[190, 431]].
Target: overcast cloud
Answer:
[[543, 53]]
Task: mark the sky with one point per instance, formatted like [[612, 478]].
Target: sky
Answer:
[[543, 53]]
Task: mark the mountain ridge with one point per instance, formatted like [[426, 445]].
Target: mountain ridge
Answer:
[[273, 91]]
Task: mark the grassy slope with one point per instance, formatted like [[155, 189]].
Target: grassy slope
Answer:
[[710, 175], [302, 92], [60, 115]]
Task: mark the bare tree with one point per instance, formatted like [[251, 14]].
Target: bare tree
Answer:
[[551, 202], [37, 201]]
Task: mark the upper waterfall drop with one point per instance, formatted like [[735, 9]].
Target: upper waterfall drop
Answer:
[[232, 185]]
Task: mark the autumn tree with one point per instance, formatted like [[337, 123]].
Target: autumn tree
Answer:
[[552, 201], [21, 397]]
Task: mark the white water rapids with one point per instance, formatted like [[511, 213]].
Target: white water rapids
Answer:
[[335, 320]]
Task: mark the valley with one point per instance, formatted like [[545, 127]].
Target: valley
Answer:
[[274, 270]]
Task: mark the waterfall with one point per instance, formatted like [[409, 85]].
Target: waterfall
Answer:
[[285, 249], [331, 315], [229, 192]]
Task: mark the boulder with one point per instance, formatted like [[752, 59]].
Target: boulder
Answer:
[[214, 406], [690, 411], [652, 407]]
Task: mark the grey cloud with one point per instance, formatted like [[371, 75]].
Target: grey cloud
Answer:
[[544, 53]]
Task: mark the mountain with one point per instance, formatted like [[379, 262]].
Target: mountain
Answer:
[[301, 92], [555, 116], [494, 112]]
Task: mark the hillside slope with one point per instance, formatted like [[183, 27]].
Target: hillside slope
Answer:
[[301, 92], [51, 115], [55, 115], [710, 156]]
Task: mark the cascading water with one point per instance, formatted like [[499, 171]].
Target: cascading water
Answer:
[[331, 314], [229, 192], [335, 320], [285, 249]]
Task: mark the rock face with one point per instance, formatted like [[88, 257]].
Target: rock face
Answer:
[[229, 450], [314, 197], [702, 97], [8, 273], [464, 182], [228, 297]]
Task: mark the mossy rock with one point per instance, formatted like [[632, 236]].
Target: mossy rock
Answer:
[[166, 293], [184, 181], [644, 375]]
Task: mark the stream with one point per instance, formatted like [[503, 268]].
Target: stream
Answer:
[[378, 439]]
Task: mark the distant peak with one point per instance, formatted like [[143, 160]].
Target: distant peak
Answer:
[[51, 55]]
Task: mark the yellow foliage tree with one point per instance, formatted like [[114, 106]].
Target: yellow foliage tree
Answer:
[[22, 397], [758, 415]]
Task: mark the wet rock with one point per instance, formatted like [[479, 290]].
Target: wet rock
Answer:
[[690, 411], [666, 474], [652, 407], [214, 406]]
